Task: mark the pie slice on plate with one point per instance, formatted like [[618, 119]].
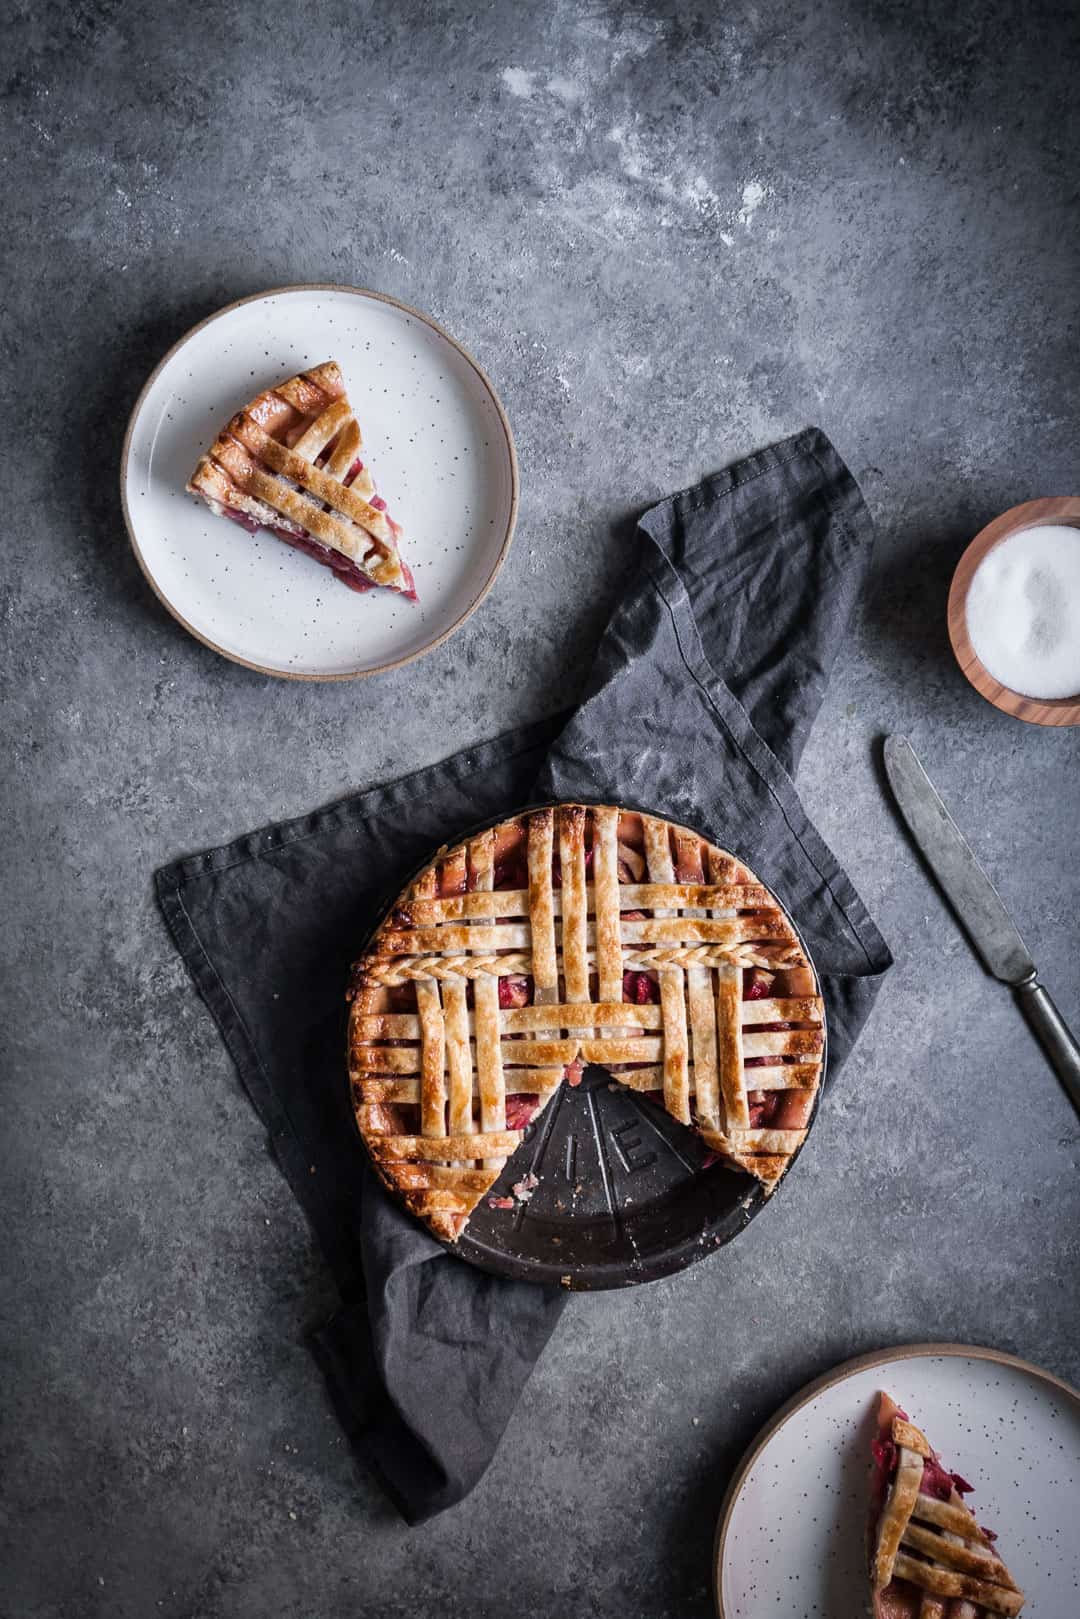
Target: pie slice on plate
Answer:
[[929, 1559], [567, 936], [290, 462]]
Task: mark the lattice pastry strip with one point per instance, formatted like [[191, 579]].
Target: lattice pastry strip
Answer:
[[489, 1065], [432, 1055], [607, 905], [728, 895], [661, 869], [701, 1000], [924, 1536], [568, 936], [290, 462], [541, 907]]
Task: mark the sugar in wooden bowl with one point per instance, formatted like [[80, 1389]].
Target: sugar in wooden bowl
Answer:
[[1014, 612]]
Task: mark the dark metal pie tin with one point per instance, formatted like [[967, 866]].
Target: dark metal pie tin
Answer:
[[626, 1193]]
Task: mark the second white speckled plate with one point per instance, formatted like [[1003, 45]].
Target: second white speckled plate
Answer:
[[790, 1540], [435, 436]]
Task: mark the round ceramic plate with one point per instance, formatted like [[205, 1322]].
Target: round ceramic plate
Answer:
[[791, 1533], [435, 436]]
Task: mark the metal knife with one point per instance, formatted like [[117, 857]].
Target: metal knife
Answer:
[[979, 907]]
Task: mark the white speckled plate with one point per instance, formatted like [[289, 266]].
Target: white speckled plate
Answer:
[[435, 436], [790, 1541]]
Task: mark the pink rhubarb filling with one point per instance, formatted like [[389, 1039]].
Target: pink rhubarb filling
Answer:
[[521, 1110], [515, 991], [640, 989], [511, 870], [342, 567], [936, 1481]]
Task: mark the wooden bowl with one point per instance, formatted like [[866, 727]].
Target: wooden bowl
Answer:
[[1049, 711]]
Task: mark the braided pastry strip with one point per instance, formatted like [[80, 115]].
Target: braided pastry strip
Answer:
[[515, 962]]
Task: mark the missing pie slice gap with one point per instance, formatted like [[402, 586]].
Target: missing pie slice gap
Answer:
[[929, 1558], [291, 462]]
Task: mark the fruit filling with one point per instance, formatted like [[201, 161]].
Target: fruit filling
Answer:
[[640, 989], [343, 567], [521, 1110], [514, 991], [937, 1481], [511, 870], [763, 1106], [246, 522]]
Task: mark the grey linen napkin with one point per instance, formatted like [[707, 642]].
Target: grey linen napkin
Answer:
[[703, 691]]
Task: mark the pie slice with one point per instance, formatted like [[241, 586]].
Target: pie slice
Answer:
[[290, 462], [929, 1559], [565, 936]]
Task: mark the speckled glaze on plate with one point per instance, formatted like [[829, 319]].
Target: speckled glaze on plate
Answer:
[[790, 1539], [437, 440]]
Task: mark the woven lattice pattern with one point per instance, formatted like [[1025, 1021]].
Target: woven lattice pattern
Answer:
[[929, 1557], [290, 462], [568, 936]]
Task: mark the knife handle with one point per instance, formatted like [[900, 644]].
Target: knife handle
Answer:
[[1053, 1035]]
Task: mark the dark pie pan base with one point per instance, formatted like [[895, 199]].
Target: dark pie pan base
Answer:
[[626, 1193]]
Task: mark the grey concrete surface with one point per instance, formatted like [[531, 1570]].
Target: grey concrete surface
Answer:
[[672, 234]]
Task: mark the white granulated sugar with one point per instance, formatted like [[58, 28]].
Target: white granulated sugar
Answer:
[[519, 81], [1023, 611]]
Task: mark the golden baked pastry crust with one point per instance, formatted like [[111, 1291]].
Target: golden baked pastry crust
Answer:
[[569, 935], [926, 1548], [289, 461]]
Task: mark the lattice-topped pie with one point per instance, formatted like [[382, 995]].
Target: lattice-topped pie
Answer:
[[564, 937], [929, 1559], [290, 462]]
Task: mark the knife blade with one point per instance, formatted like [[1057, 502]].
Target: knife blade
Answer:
[[979, 907], [950, 857]]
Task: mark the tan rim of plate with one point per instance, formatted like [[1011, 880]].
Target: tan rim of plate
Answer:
[[1053, 710], [861, 1363], [418, 314]]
